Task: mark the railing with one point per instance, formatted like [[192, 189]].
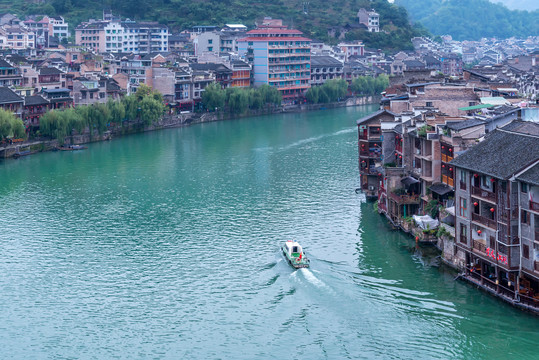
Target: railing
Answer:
[[477, 245], [368, 171], [462, 185], [534, 206], [448, 180], [404, 199], [536, 266], [446, 158], [485, 194], [485, 221]]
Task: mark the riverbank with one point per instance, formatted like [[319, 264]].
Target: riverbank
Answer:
[[33, 146]]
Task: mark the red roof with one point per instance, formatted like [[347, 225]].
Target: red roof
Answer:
[[277, 30], [273, 38]]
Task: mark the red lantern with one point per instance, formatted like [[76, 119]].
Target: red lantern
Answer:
[[450, 169], [492, 180], [443, 147], [475, 175], [400, 156], [491, 209], [417, 238], [475, 203], [450, 150], [479, 232]]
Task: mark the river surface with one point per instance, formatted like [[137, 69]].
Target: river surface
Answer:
[[166, 245]]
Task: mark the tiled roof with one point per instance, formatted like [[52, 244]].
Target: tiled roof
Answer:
[[501, 154], [8, 96], [324, 61], [50, 71], [460, 125], [531, 176], [34, 100], [375, 114]]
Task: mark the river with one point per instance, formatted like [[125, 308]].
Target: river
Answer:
[[166, 245]]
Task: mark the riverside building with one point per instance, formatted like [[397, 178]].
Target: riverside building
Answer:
[[280, 57]]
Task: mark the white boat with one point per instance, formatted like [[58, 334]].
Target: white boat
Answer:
[[295, 255]]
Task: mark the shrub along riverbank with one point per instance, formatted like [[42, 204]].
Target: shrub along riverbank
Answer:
[[145, 107]]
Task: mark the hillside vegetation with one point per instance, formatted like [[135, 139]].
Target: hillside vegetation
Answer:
[[313, 19], [472, 19]]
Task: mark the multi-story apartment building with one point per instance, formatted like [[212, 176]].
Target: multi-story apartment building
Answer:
[[370, 19], [496, 216], [209, 41], [127, 36], [280, 57], [144, 37], [47, 27], [356, 48], [92, 35], [17, 37]]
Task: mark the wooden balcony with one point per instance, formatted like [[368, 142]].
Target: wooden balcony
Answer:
[[404, 199], [448, 180], [484, 221], [484, 194], [479, 246], [446, 158]]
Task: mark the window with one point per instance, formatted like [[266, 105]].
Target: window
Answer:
[[526, 251], [210, 41], [463, 207], [429, 104], [210, 48], [524, 187], [463, 234]]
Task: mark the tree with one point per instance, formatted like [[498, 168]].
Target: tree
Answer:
[[213, 97], [10, 126]]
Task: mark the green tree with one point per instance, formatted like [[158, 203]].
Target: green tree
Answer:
[[213, 97], [10, 126]]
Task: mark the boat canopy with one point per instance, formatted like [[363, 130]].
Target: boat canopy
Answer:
[[293, 247]]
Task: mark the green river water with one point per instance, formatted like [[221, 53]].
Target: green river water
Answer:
[[166, 245]]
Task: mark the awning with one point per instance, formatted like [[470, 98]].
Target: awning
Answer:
[[409, 181], [441, 189], [476, 107]]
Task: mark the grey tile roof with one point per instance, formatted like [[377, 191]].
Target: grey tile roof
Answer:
[[525, 127], [324, 61], [459, 125], [501, 154], [373, 115], [8, 96], [531, 176], [35, 100], [50, 71]]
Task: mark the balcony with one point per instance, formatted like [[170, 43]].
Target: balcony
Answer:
[[484, 221], [446, 158], [404, 199], [479, 246], [448, 180], [485, 194], [534, 206]]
